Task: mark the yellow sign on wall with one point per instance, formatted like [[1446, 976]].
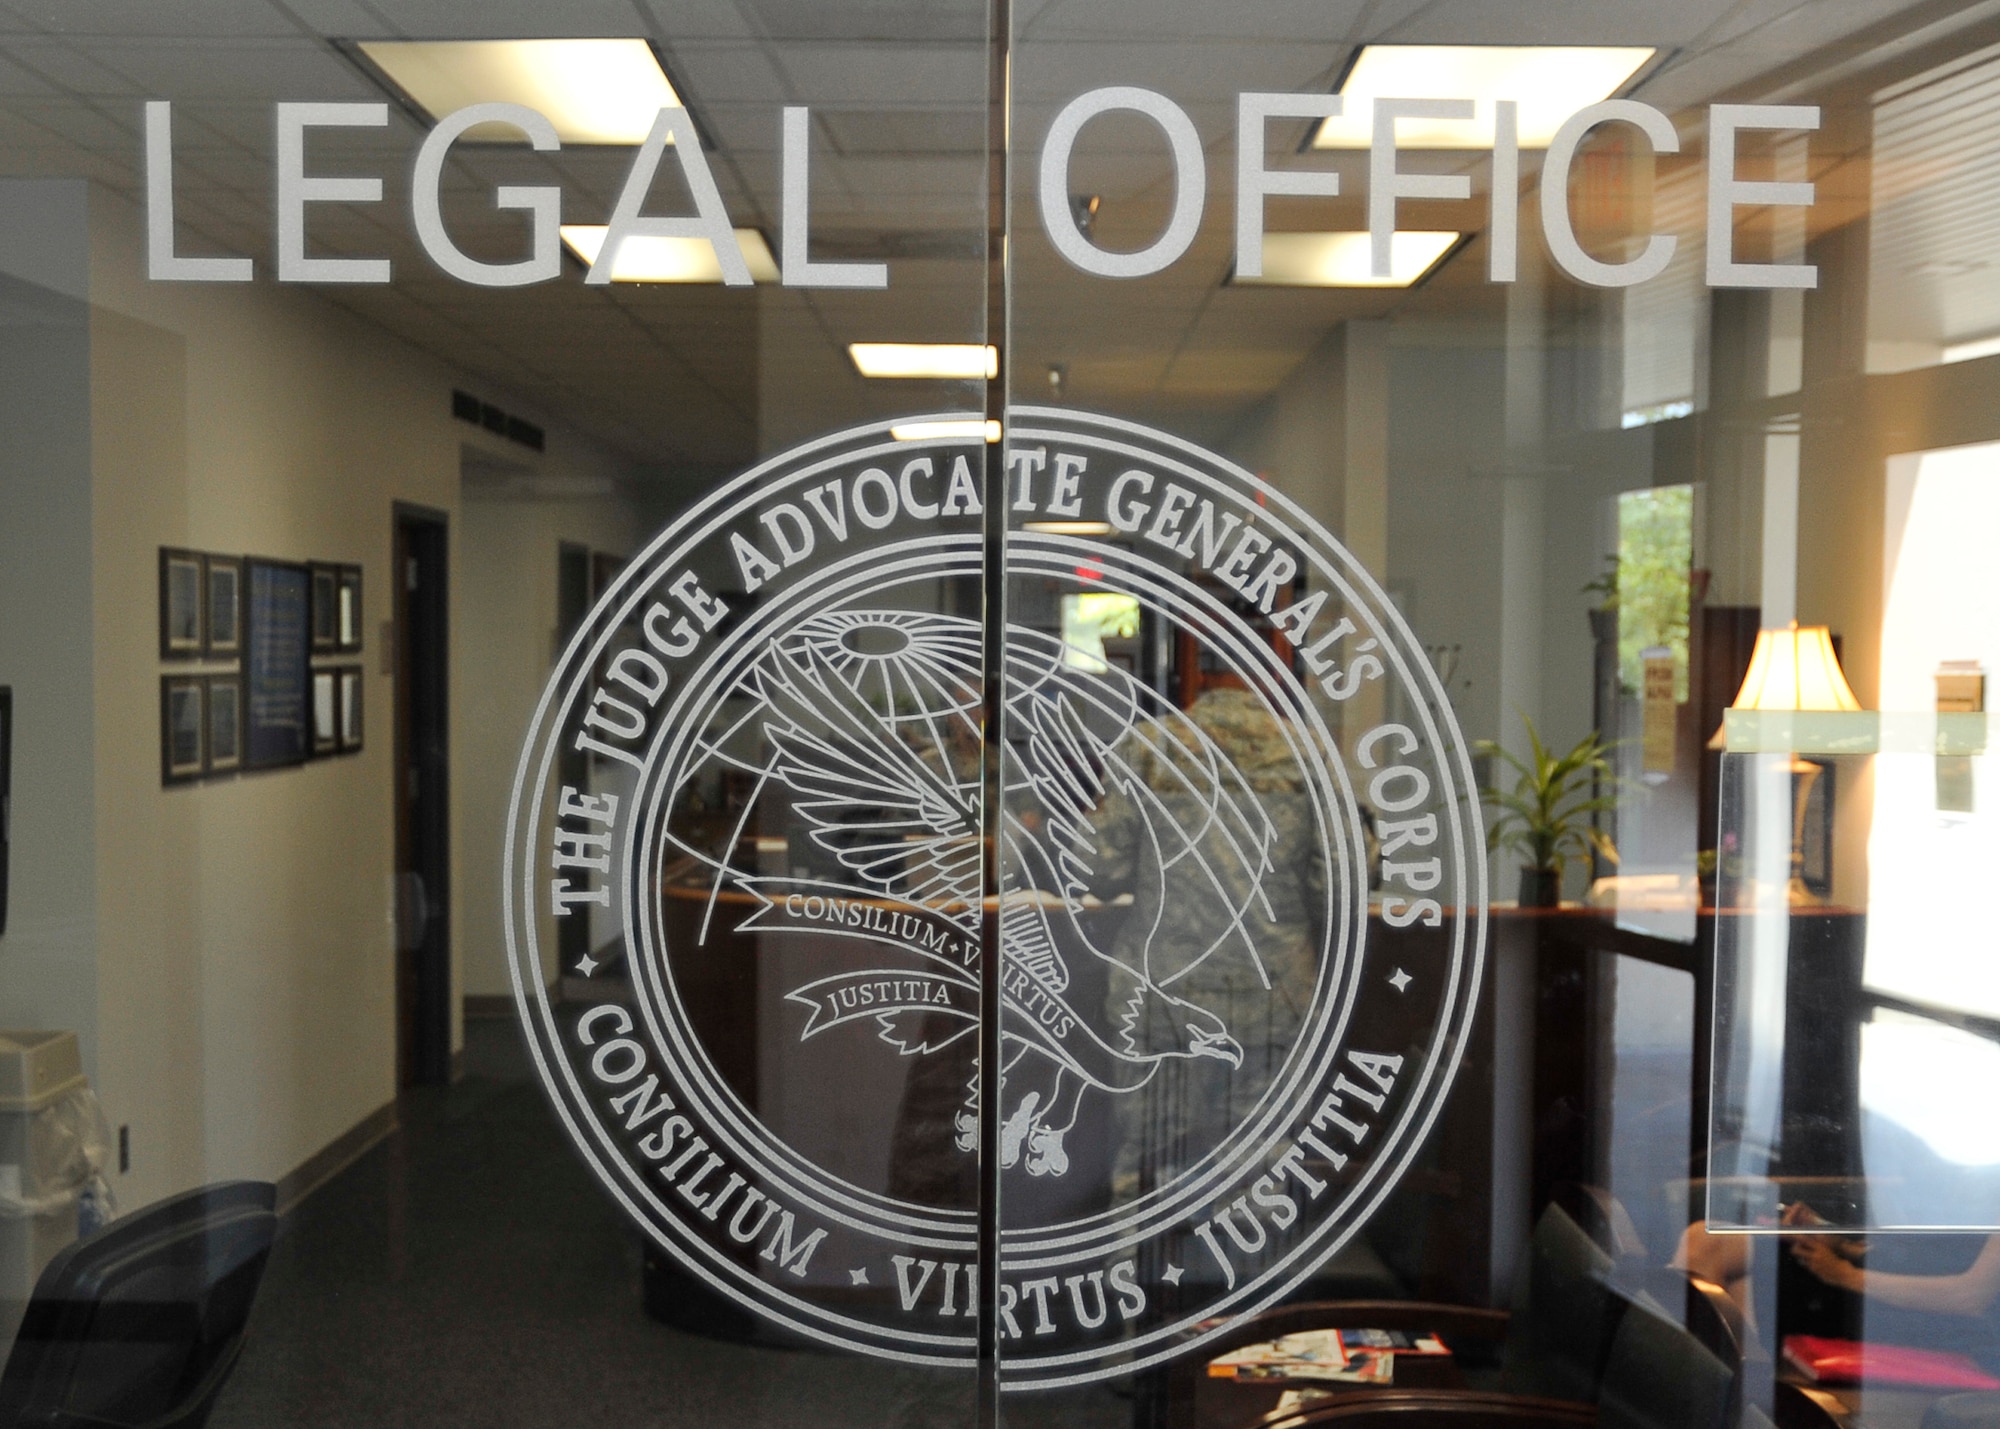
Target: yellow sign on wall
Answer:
[[1657, 719]]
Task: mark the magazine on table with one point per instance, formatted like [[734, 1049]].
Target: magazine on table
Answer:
[[1342, 1356]]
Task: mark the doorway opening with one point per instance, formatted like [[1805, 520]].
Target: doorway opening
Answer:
[[422, 783]]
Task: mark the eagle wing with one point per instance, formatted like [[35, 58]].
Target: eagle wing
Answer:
[[871, 800], [1211, 845]]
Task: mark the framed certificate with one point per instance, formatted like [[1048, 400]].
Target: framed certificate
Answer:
[[276, 664], [183, 728], [181, 627], [349, 697], [222, 606], [325, 608], [224, 694], [325, 711]]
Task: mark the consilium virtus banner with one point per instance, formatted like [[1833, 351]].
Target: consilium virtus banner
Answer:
[[1241, 914]]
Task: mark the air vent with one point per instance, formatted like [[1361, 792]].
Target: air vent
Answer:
[[468, 408]]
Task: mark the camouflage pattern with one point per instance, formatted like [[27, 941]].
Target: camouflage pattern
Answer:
[[1206, 954]]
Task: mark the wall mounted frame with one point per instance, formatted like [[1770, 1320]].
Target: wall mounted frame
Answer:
[[276, 664], [182, 629]]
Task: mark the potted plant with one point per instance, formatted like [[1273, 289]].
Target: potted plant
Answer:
[[1546, 816]]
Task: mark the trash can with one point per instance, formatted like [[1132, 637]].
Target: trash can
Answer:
[[53, 1145]]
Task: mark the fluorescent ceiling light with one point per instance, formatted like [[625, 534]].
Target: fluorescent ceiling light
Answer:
[[648, 259], [593, 91], [1068, 528], [924, 359], [945, 430], [1549, 82], [1343, 260], [1967, 351]]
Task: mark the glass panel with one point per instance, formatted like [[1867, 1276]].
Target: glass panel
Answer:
[[1645, 1091], [498, 759], [1242, 916], [760, 756], [523, 781], [1562, 418], [1843, 1019]]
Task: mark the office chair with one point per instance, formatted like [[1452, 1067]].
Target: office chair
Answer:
[[139, 1325]]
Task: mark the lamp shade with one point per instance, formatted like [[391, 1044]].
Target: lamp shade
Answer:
[[1795, 669]]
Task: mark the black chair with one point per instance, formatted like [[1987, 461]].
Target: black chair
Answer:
[[1979, 1410], [1565, 1314], [1661, 1377], [139, 1325]]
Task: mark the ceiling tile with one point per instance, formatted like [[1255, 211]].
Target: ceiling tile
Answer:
[[1193, 21], [513, 19], [677, 20], [901, 21], [738, 73], [885, 77], [67, 66], [296, 70], [14, 79], [340, 19], [908, 131], [231, 18]]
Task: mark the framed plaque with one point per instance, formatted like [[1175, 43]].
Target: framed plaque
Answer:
[[325, 608], [182, 728], [276, 669], [350, 708], [222, 585], [225, 723], [181, 634], [325, 711], [347, 614]]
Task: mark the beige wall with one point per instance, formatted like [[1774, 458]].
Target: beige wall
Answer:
[[506, 631], [241, 1015], [48, 972]]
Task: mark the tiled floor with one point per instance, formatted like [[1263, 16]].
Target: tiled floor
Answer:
[[469, 1272]]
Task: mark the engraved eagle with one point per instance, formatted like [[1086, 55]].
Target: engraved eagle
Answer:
[[898, 821]]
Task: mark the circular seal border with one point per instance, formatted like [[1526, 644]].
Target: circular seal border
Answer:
[[1027, 1250]]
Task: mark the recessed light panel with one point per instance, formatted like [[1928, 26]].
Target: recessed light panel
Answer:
[[924, 359], [1343, 260], [1068, 528], [1549, 82], [650, 259], [1971, 350], [593, 91], [944, 429]]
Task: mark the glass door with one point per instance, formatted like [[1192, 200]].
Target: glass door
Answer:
[[1444, 448], [936, 713]]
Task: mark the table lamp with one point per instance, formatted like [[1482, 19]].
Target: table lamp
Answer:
[[1796, 669]]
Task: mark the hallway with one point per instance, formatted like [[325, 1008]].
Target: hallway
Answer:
[[467, 1272]]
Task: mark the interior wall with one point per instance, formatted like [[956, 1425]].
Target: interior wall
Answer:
[[507, 638], [48, 975], [235, 982]]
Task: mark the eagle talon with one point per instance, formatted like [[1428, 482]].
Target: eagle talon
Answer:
[[1018, 1128], [1046, 1156], [968, 1131]]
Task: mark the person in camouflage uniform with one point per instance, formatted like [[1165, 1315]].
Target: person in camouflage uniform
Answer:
[[1268, 914]]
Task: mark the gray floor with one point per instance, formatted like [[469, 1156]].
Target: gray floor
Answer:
[[468, 1272]]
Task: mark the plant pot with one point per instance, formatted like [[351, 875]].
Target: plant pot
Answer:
[[1604, 626], [1540, 888]]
